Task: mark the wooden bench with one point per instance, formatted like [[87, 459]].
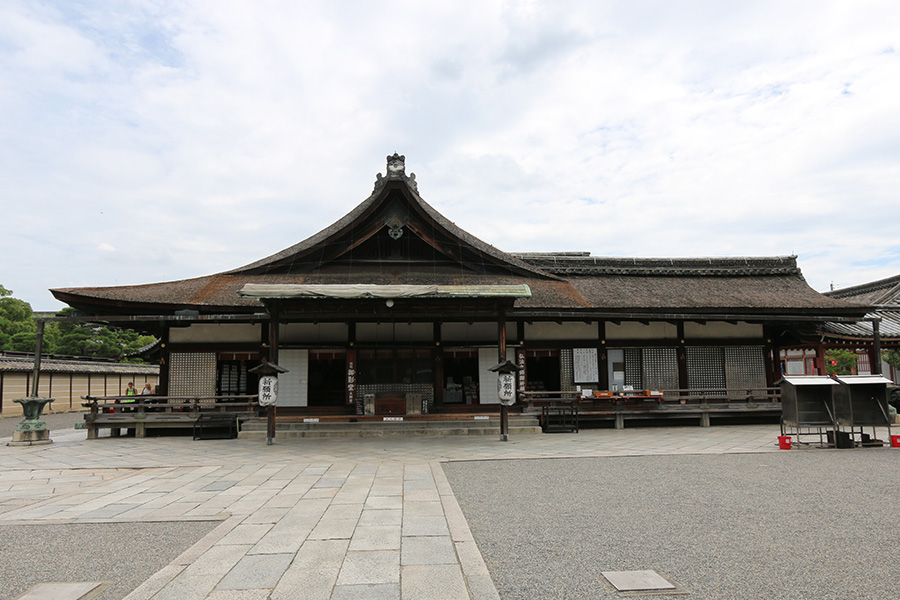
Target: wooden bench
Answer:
[[559, 419], [216, 426], [140, 413]]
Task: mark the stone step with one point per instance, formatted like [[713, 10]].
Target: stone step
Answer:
[[256, 428], [260, 423], [362, 433]]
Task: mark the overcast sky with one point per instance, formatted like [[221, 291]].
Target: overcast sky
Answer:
[[145, 141]]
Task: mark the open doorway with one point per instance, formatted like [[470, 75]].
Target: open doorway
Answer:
[[327, 378], [542, 370]]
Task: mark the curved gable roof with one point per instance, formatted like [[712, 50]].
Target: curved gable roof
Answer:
[[367, 219]]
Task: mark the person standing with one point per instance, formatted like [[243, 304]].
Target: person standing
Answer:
[[130, 394]]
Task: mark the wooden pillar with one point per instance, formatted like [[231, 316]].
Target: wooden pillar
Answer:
[[273, 358], [876, 346], [820, 359], [682, 358], [522, 375], [501, 355], [602, 357], [770, 358], [438, 364], [162, 382]]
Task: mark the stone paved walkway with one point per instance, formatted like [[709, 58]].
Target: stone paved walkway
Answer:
[[306, 518]]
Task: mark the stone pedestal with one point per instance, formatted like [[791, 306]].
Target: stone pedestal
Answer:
[[31, 431]]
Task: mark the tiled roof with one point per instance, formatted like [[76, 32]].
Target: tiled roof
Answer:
[[885, 295], [23, 364], [559, 281]]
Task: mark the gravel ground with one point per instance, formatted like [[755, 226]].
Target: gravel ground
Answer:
[[125, 554], [54, 421], [806, 524]]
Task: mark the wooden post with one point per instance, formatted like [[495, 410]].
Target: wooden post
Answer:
[[602, 357], [682, 360], [876, 346], [273, 358], [38, 343], [501, 335], [820, 359]]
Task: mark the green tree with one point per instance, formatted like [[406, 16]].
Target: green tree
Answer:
[[840, 362], [90, 339], [18, 333], [16, 322], [892, 357]]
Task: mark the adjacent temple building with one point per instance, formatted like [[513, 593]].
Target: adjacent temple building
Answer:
[[394, 309]]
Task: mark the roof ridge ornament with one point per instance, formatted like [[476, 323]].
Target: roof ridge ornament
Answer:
[[396, 170]]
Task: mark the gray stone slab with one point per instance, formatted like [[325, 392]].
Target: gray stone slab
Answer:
[[61, 591], [376, 537], [333, 529], [313, 572], [423, 509], [384, 502], [187, 587], [437, 550], [330, 482], [380, 566], [637, 581], [217, 486], [246, 533], [256, 571], [380, 517], [428, 525], [374, 591], [239, 595], [343, 511], [217, 561], [433, 582]]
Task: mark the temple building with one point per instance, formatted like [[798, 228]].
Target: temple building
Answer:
[[396, 304]]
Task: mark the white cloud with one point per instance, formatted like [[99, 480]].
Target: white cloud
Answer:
[[177, 130]]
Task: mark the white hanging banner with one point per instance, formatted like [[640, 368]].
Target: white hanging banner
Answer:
[[268, 390]]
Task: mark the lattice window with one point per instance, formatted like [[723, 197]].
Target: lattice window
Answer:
[[232, 378], [745, 369], [566, 370], [705, 368], [633, 368], [192, 374], [660, 368]]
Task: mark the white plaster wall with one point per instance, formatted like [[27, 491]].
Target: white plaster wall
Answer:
[[632, 330], [722, 330], [216, 332], [578, 330]]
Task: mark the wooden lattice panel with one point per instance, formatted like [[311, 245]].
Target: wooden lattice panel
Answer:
[[192, 374], [633, 368], [745, 368], [705, 368], [660, 368]]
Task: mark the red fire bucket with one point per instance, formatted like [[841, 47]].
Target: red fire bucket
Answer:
[[784, 442], [895, 441]]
